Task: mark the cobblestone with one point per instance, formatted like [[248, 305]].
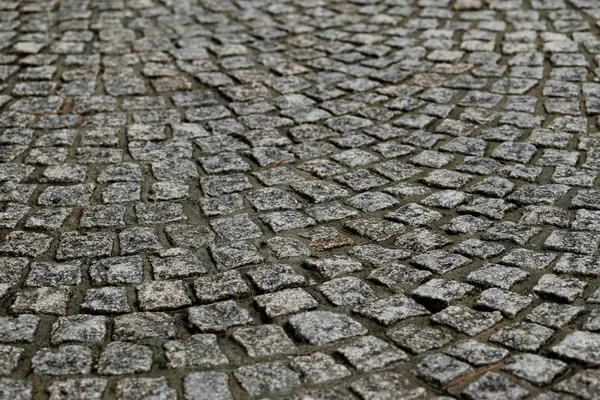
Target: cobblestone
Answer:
[[305, 200]]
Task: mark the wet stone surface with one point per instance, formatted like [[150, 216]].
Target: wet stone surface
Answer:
[[363, 199]]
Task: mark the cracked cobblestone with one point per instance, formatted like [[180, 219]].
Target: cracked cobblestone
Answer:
[[322, 199]]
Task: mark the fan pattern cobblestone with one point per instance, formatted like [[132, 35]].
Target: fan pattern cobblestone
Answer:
[[302, 200]]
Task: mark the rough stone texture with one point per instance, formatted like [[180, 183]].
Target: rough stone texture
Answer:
[[246, 199]]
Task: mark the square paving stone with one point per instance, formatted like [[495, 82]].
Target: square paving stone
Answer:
[[479, 248], [440, 261], [440, 293], [587, 199], [318, 368], [533, 368], [277, 176], [538, 195], [223, 286], [432, 159], [88, 388], [125, 172], [206, 386], [584, 384], [545, 215], [224, 162], [494, 386], [235, 255], [272, 199], [116, 270], [319, 192], [476, 353], [466, 320], [142, 388], [446, 179], [525, 258], [218, 317], [497, 275], [421, 241], [398, 275], [286, 301], [54, 274], [574, 242], [479, 165], [508, 303], [386, 385], [560, 288], [80, 328], [78, 245], [20, 243], [325, 238], [66, 360], [445, 199], [102, 216], [487, 207], [372, 201], [221, 205], [523, 336], [165, 191], [20, 329], [592, 322], [284, 247], [175, 263], [333, 267], [274, 277], [418, 339], [44, 300], [189, 236], [396, 170], [440, 369], [375, 229], [9, 358], [333, 211], [20, 193], [163, 295], [174, 170], [75, 195], [360, 180], [510, 231], [107, 300], [220, 185], [264, 340], [553, 315], [514, 151], [143, 325], [267, 377], [346, 291], [11, 214], [159, 213], [391, 310], [237, 227], [414, 215], [368, 353], [49, 219], [586, 220], [286, 220], [579, 346], [137, 240], [376, 254], [121, 192], [322, 327], [197, 351]]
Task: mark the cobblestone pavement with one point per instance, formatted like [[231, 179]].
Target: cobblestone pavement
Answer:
[[303, 199]]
